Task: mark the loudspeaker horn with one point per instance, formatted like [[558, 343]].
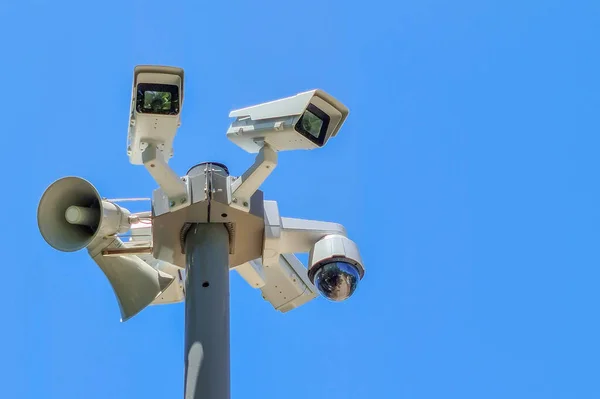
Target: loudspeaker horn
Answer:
[[135, 283], [71, 214]]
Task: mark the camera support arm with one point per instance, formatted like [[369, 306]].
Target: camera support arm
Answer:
[[290, 235], [173, 187], [279, 274], [246, 185], [299, 235]]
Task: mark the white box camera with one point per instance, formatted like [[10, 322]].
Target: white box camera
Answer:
[[302, 122], [156, 102]]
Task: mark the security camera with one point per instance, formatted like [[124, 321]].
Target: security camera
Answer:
[[302, 122], [156, 102], [335, 267]]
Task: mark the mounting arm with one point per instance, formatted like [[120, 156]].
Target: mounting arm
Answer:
[[171, 184], [299, 235], [246, 185], [281, 277], [289, 235]]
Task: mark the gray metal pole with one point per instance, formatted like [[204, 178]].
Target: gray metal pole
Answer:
[[207, 312]]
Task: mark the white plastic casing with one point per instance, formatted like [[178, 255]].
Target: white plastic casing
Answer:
[[335, 247], [284, 283], [288, 286], [151, 129], [273, 122]]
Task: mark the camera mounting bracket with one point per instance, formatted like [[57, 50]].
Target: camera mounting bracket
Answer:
[[246, 185], [175, 188]]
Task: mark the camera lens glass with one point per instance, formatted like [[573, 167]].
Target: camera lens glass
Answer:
[[313, 124], [161, 99], [337, 281], [157, 101]]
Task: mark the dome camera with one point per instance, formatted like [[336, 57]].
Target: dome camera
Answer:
[[335, 267]]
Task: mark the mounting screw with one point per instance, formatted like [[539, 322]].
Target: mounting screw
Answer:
[[235, 200], [172, 203], [245, 204], [183, 200]]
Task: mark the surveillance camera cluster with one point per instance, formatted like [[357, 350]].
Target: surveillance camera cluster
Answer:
[[73, 216]]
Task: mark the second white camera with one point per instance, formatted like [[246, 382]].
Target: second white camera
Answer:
[[302, 122], [156, 102]]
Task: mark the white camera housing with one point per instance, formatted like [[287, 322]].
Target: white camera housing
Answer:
[[302, 122], [334, 248], [283, 283], [155, 113]]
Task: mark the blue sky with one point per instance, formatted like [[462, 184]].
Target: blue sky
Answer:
[[467, 172]]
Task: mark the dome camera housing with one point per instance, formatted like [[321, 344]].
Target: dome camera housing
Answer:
[[335, 267]]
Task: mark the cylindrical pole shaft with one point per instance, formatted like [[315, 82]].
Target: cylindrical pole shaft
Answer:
[[207, 312]]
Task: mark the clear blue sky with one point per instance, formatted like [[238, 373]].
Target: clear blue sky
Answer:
[[467, 171]]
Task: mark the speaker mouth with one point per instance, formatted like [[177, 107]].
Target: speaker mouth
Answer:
[[52, 223]]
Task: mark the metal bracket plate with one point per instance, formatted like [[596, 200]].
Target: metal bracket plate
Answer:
[[210, 198]]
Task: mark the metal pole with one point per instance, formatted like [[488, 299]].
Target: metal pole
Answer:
[[207, 312]]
